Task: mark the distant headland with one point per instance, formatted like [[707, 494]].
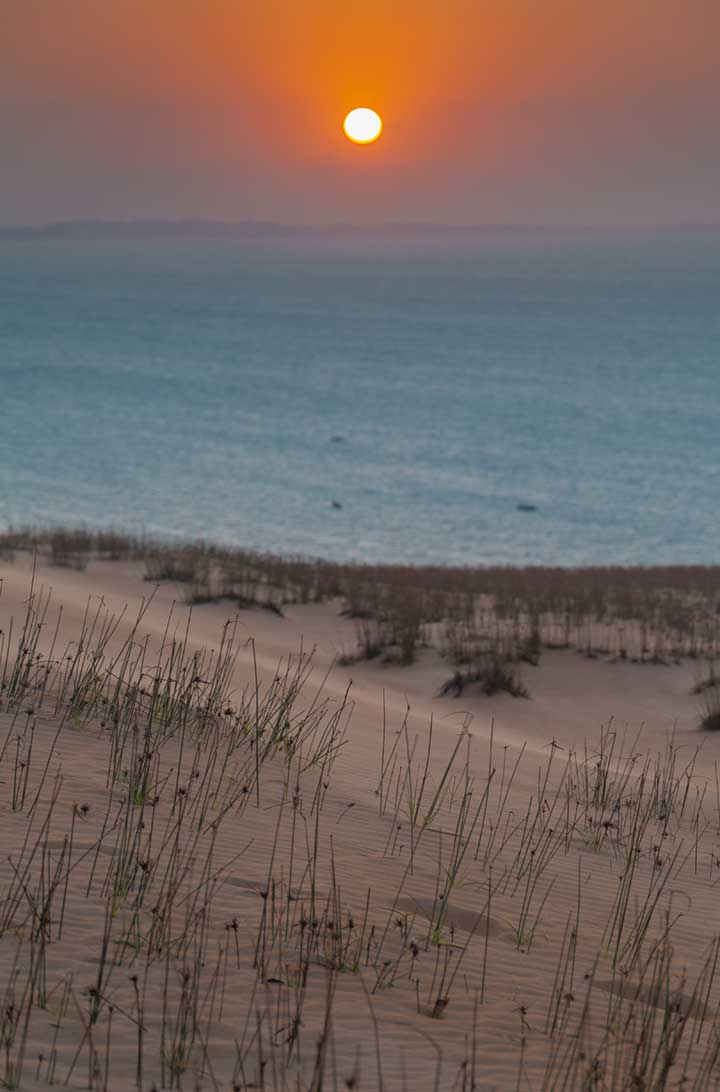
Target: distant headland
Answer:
[[260, 229]]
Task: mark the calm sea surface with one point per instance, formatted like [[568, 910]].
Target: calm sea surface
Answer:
[[235, 389]]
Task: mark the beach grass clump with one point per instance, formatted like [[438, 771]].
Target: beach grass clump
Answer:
[[70, 549], [710, 718], [494, 676], [497, 676], [489, 652]]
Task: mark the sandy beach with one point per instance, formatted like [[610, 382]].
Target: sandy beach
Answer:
[[255, 868], [359, 572]]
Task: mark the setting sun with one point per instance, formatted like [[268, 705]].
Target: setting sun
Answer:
[[363, 126]]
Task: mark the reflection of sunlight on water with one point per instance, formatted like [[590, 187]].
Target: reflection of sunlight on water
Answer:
[[196, 388]]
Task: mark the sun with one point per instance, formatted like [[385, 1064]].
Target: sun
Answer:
[[363, 126]]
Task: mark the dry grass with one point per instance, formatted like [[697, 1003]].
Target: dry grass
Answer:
[[485, 621], [191, 773], [710, 719]]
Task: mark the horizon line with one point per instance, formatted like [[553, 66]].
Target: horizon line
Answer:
[[211, 225]]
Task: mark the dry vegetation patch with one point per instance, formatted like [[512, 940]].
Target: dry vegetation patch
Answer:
[[488, 622], [188, 900]]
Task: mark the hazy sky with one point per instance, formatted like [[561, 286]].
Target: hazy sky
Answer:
[[530, 111]]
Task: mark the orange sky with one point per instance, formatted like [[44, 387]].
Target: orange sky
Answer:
[[560, 111]]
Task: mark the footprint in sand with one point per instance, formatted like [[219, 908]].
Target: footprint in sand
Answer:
[[468, 921], [253, 886], [656, 996]]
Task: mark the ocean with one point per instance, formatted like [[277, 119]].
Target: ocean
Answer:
[[500, 397]]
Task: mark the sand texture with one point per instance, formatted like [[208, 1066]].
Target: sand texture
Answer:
[[227, 862]]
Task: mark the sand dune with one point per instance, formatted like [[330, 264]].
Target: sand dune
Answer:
[[258, 869]]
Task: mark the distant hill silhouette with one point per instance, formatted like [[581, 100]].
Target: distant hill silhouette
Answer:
[[257, 229]]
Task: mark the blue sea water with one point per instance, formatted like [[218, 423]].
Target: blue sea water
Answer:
[[235, 388]]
